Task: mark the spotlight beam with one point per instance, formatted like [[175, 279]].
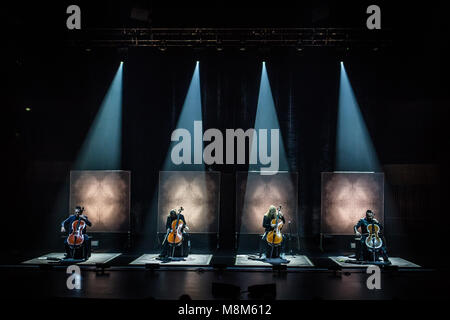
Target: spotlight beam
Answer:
[[267, 119], [102, 147], [190, 112], [354, 148]]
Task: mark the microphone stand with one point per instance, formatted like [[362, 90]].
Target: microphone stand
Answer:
[[290, 239], [373, 243], [165, 238], [273, 239]]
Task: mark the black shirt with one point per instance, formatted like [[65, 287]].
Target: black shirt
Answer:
[[267, 222], [170, 220], [67, 224]]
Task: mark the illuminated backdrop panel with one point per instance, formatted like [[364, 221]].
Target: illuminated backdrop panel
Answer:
[[256, 192], [345, 198], [197, 192], [105, 196]]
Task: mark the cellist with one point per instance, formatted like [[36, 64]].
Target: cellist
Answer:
[[267, 225], [363, 224], [66, 225], [173, 216]]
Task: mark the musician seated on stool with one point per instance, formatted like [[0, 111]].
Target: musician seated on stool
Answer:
[[268, 226], [66, 225], [171, 218], [363, 224]]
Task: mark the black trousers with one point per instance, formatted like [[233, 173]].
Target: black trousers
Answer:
[[85, 248], [263, 245]]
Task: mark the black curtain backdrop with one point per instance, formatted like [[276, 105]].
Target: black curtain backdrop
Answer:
[[403, 103]]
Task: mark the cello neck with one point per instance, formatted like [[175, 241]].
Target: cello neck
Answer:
[[78, 222], [178, 220]]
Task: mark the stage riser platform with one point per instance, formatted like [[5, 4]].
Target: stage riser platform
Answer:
[[94, 259]]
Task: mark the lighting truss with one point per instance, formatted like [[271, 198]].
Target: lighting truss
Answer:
[[232, 37]]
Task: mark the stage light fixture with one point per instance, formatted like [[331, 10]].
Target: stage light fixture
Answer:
[[299, 46], [219, 46], [122, 53], [163, 46], [242, 46]]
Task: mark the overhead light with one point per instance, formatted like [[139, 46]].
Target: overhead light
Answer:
[[219, 46], [242, 48], [163, 46], [299, 45], [122, 53]]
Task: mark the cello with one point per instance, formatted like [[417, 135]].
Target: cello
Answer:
[[373, 240], [76, 237], [274, 237], [175, 237]]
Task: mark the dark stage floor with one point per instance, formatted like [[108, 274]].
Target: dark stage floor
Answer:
[[124, 281], [141, 284]]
